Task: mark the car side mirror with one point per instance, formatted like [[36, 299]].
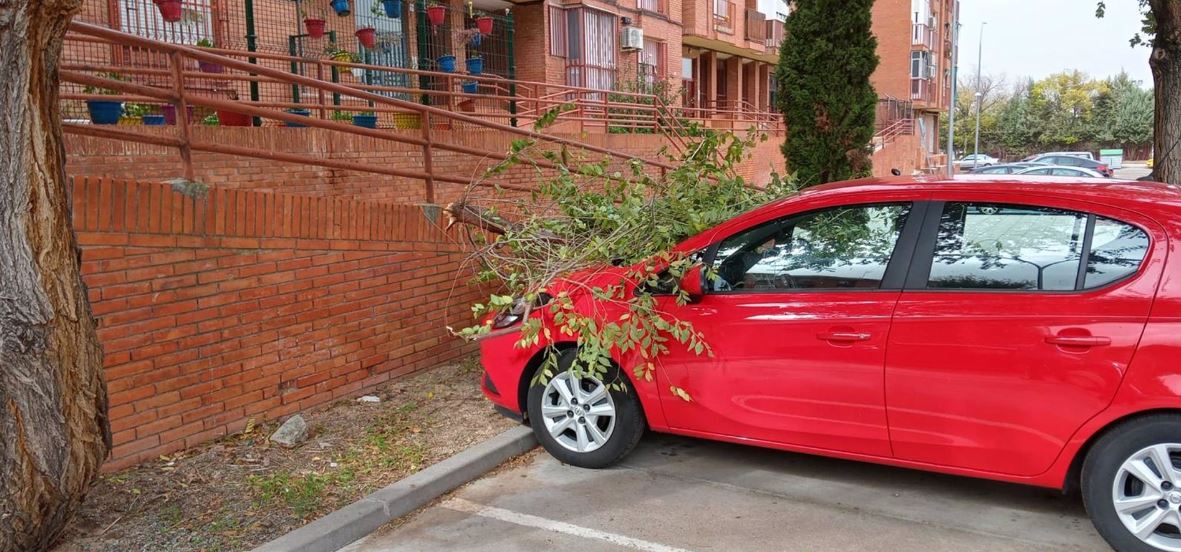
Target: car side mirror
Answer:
[[693, 282]]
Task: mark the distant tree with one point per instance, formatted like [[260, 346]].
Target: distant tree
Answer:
[[1161, 30], [827, 101], [1123, 113], [1064, 105]]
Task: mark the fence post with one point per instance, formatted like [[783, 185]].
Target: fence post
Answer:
[[428, 165], [182, 114], [252, 46]]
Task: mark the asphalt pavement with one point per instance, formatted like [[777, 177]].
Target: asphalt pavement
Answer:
[[674, 494]]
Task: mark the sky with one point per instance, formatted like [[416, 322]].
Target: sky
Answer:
[[1036, 38]]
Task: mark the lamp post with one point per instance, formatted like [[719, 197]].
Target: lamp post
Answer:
[[979, 95], [955, 68]]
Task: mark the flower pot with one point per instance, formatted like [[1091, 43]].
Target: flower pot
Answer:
[[475, 66], [154, 120], [358, 73], [207, 67], [484, 24], [367, 37], [170, 10], [170, 114], [436, 14], [233, 118], [476, 39], [341, 7], [103, 112], [393, 8], [367, 121], [315, 27], [470, 87], [407, 120], [131, 121], [446, 64], [303, 112]]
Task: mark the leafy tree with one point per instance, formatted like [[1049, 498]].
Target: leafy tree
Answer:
[[1064, 103], [827, 102], [53, 416], [1123, 113]]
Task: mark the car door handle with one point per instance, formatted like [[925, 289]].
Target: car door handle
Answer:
[[1078, 340], [843, 336]]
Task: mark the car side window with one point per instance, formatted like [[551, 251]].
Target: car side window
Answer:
[[1039, 171], [995, 170], [990, 246], [1065, 172], [1117, 249], [839, 248]]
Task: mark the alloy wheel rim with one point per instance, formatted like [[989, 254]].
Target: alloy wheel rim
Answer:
[[1147, 495], [578, 413]]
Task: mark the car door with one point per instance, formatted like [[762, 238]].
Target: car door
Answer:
[[797, 318], [1019, 318]]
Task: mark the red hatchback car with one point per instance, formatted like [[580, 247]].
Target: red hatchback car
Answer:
[[1024, 330]]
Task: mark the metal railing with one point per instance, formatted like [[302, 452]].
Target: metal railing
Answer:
[[922, 36], [756, 26], [774, 34], [177, 86], [723, 13], [922, 90]]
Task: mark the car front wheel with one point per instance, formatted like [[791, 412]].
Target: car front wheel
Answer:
[[1131, 484], [585, 421]]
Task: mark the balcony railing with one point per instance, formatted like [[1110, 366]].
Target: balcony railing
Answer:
[[774, 34], [922, 36], [922, 90], [723, 16], [756, 26], [654, 6]]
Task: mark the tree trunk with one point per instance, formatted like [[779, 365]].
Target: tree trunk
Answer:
[[1166, 73], [53, 403]]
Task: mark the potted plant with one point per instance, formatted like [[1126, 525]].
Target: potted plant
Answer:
[[170, 10], [208, 67], [475, 65], [104, 112], [367, 119], [314, 24], [470, 87], [233, 118], [388, 8], [446, 63], [297, 111], [134, 114], [339, 54], [341, 6], [367, 36], [484, 23], [436, 14]]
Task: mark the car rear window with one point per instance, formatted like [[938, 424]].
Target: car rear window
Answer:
[[1117, 249]]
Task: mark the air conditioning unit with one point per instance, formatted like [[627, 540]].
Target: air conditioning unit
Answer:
[[632, 39]]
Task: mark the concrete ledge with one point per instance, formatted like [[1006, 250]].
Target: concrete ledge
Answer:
[[336, 530]]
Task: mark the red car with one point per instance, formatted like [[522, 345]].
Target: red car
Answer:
[[1025, 330]]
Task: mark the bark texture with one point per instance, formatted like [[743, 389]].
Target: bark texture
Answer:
[[1166, 74], [53, 427]]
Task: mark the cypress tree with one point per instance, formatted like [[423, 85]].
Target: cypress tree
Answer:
[[824, 93]]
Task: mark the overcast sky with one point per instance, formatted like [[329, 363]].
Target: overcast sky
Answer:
[[1036, 38]]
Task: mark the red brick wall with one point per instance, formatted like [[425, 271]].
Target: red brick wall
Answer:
[[214, 310]]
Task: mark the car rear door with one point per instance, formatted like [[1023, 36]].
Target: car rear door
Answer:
[[1019, 318]]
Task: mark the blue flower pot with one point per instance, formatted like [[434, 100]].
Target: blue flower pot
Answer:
[[154, 120], [341, 7], [304, 112], [475, 66], [367, 121], [471, 87], [393, 8], [104, 112], [475, 40], [447, 64]]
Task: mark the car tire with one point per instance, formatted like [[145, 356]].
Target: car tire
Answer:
[[620, 433], [1108, 475]]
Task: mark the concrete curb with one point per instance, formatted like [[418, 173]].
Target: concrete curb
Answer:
[[342, 527]]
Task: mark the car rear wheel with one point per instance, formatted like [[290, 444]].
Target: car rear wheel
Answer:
[[583, 421], [1131, 483]]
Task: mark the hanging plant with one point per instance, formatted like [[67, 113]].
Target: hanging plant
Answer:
[[446, 64], [436, 14], [475, 65], [314, 24], [484, 24], [388, 8], [466, 36], [341, 6], [367, 36], [170, 10]]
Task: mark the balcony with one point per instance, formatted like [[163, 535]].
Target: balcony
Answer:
[[774, 34], [922, 90], [723, 16], [756, 26], [922, 36], [654, 6]]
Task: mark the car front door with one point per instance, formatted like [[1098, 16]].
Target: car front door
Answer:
[[1019, 318], [797, 318]]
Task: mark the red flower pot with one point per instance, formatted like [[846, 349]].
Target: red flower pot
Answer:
[[367, 36], [484, 24], [315, 27], [233, 118], [170, 10], [436, 14]]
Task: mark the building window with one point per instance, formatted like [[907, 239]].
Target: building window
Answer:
[[652, 64], [590, 55], [654, 6], [141, 18], [921, 66], [558, 39]]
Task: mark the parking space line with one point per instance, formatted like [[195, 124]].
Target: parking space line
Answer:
[[526, 520]]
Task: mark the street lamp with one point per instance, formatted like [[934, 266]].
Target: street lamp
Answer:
[[979, 96]]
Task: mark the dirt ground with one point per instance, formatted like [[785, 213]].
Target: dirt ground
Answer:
[[241, 491]]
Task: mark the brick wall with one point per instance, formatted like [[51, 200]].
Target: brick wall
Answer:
[[236, 305]]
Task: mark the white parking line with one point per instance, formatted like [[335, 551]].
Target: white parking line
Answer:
[[527, 520]]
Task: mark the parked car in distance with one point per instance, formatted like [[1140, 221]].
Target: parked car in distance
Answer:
[[1064, 160], [1080, 154], [1005, 168], [976, 160], [1054, 170], [1019, 331]]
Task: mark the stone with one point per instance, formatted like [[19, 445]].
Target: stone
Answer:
[[293, 432], [369, 399]]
